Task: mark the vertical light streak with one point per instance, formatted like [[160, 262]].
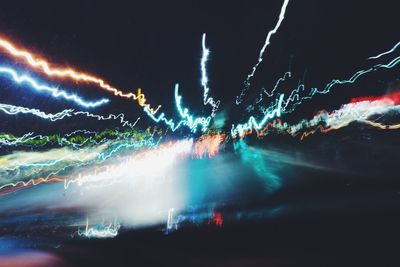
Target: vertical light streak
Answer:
[[239, 98], [204, 78]]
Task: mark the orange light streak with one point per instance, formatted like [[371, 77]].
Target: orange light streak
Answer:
[[69, 73]]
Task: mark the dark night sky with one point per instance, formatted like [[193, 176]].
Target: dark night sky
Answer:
[[154, 44]]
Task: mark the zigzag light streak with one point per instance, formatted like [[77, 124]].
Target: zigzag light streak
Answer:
[[186, 119], [161, 118], [39, 162], [250, 107], [164, 155], [50, 158], [32, 182], [287, 75], [239, 98], [343, 124], [241, 129], [102, 157], [70, 73], [358, 111], [130, 138], [55, 92], [263, 91], [109, 117], [13, 110], [204, 78], [41, 140], [100, 231], [107, 154], [10, 140], [142, 163], [140, 97], [294, 96]]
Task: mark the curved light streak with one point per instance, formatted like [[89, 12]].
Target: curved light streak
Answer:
[[55, 92], [69, 73]]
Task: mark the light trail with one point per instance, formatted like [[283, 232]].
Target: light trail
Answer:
[[55, 92], [239, 99], [208, 145], [286, 76], [32, 182], [387, 52], [142, 163], [77, 139], [14, 110], [361, 109], [100, 231], [187, 119], [204, 79], [67, 113], [70, 73], [297, 99], [161, 118], [241, 129]]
